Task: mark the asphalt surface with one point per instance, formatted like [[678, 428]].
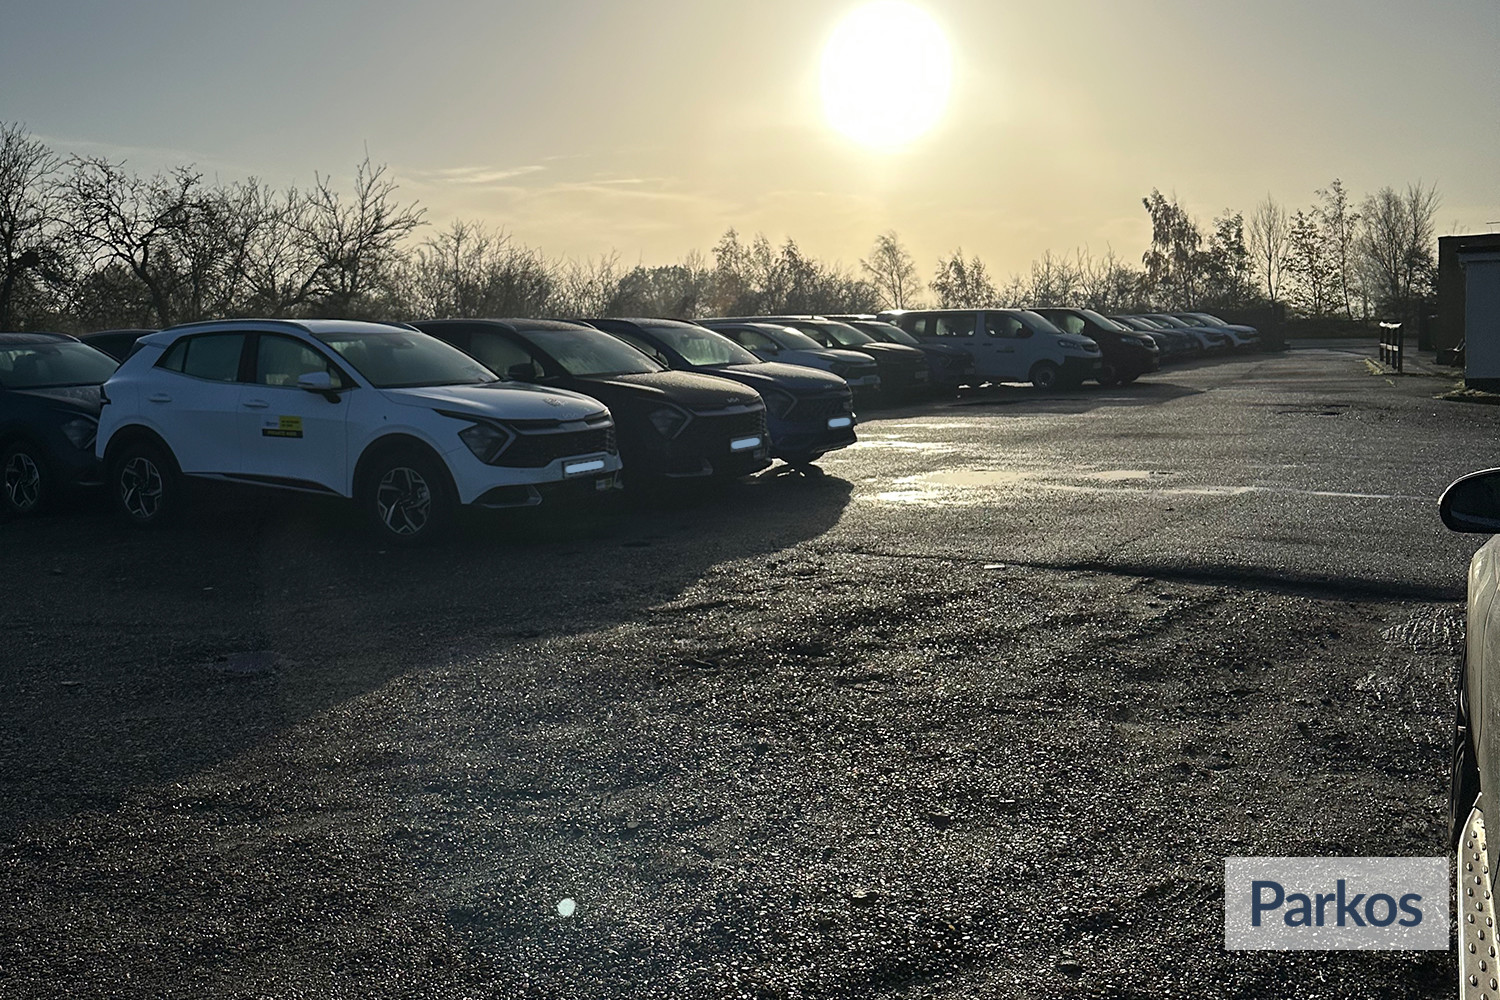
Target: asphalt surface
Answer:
[[978, 712]]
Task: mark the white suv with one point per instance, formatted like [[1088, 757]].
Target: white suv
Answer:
[[401, 422]]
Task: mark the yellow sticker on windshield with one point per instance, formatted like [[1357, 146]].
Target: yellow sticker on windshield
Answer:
[[285, 427]]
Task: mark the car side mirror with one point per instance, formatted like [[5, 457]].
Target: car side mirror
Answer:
[[1472, 504], [523, 372], [315, 382]]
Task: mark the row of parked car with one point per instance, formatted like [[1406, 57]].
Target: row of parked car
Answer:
[[414, 420]]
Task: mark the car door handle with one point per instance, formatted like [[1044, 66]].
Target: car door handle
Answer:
[[159, 397], [255, 404]]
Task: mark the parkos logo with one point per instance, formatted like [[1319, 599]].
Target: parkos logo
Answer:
[[1297, 904]]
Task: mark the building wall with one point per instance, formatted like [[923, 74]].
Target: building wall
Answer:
[[1448, 330]]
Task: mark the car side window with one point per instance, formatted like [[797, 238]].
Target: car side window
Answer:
[[1003, 325], [645, 348], [919, 326], [211, 356], [500, 354], [958, 325], [281, 360]]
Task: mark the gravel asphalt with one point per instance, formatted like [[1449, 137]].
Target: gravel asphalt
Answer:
[[977, 712]]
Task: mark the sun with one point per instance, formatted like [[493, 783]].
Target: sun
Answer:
[[887, 71]]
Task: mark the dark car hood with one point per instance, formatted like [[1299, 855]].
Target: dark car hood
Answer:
[[686, 389], [797, 379], [943, 350], [83, 398], [892, 353]]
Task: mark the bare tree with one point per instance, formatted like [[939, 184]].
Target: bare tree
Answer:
[[29, 211], [1395, 243], [466, 270], [1268, 242], [586, 288], [1339, 225], [355, 242], [140, 222], [1310, 272], [1174, 263], [962, 283], [892, 271]]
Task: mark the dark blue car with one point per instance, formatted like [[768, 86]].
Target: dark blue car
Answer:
[[49, 414], [808, 412]]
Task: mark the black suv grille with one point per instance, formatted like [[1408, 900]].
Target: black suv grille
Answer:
[[533, 451], [713, 433], [821, 408]]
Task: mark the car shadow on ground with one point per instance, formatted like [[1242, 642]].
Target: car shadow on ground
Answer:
[[136, 658]]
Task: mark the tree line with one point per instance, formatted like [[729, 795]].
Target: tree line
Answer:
[[86, 243]]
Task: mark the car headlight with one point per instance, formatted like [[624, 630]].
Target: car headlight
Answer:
[[80, 432], [778, 402], [486, 441], [669, 421]]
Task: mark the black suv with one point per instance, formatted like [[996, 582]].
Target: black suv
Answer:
[[1127, 354], [903, 370], [49, 415], [808, 412], [669, 424]]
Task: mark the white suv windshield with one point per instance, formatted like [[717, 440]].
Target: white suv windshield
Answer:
[[406, 359]]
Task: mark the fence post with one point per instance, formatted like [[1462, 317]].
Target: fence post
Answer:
[[1393, 345]]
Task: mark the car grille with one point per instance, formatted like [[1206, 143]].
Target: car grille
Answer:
[[821, 408], [714, 432], [533, 451]]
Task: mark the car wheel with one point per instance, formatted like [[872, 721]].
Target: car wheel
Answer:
[[1045, 375], [1108, 375], [146, 485], [25, 481], [408, 498], [1130, 378]]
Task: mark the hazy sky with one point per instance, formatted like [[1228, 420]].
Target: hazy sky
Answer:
[[650, 127]]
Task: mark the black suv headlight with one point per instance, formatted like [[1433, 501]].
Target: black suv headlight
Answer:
[[778, 401], [669, 421], [80, 432]]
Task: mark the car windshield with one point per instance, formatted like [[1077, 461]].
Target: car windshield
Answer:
[[844, 335], [1169, 321], [584, 353], [405, 359], [794, 340], [1142, 323], [1037, 322], [1188, 319], [703, 347], [39, 366], [1209, 318], [889, 334], [1102, 320]]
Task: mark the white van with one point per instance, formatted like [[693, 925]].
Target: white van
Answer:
[[1008, 345]]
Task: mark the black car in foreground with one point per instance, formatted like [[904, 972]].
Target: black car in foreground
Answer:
[[669, 424], [49, 415], [1127, 354], [808, 413], [950, 366]]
